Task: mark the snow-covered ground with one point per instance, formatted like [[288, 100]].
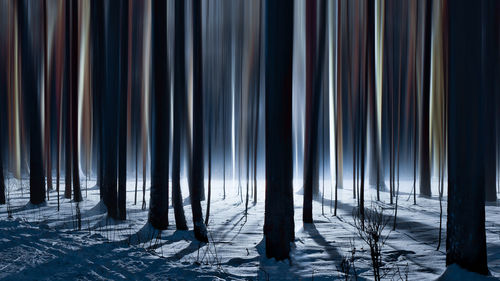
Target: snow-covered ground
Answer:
[[41, 243]]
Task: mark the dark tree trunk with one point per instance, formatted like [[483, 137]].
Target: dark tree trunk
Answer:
[[179, 95], [425, 170], [312, 106], [122, 119], [197, 181], [98, 82], [74, 45], [110, 110], [158, 209], [30, 93], [338, 107], [315, 64], [490, 85], [279, 222], [209, 160], [2, 179], [467, 128], [3, 117], [67, 105]]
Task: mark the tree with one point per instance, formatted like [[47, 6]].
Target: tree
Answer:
[[98, 83], [425, 170], [179, 96], [67, 106], [279, 223], [491, 85], [32, 109], [338, 109], [158, 209], [74, 56], [2, 180], [47, 103], [314, 64], [110, 108], [122, 109], [3, 117], [467, 147], [197, 175], [59, 89]]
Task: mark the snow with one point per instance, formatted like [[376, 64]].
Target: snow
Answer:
[[41, 243], [455, 272]]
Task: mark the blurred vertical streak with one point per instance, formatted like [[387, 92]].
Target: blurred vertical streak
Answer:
[[379, 59], [47, 135], [84, 94], [15, 128], [332, 82], [233, 95], [146, 61], [59, 38]]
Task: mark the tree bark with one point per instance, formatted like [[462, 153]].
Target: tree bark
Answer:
[[158, 209], [279, 222], [67, 105], [47, 103], [490, 85], [197, 182], [30, 92], [122, 111], [425, 170], [98, 82], [315, 65], [110, 110], [179, 93], [74, 45], [466, 238], [2, 179]]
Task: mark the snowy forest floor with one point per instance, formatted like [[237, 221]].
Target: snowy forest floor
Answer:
[[41, 243]]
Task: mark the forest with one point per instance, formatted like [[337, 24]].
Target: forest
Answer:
[[249, 140]]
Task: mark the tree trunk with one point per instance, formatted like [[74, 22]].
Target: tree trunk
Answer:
[[122, 117], [67, 105], [312, 106], [158, 208], [466, 238], [2, 180], [425, 170], [315, 67], [279, 222], [74, 45], [197, 181], [338, 109], [491, 85], [98, 82], [110, 110], [30, 92], [47, 103], [179, 93]]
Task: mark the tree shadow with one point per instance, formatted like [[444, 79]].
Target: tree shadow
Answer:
[[418, 231], [332, 252]]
